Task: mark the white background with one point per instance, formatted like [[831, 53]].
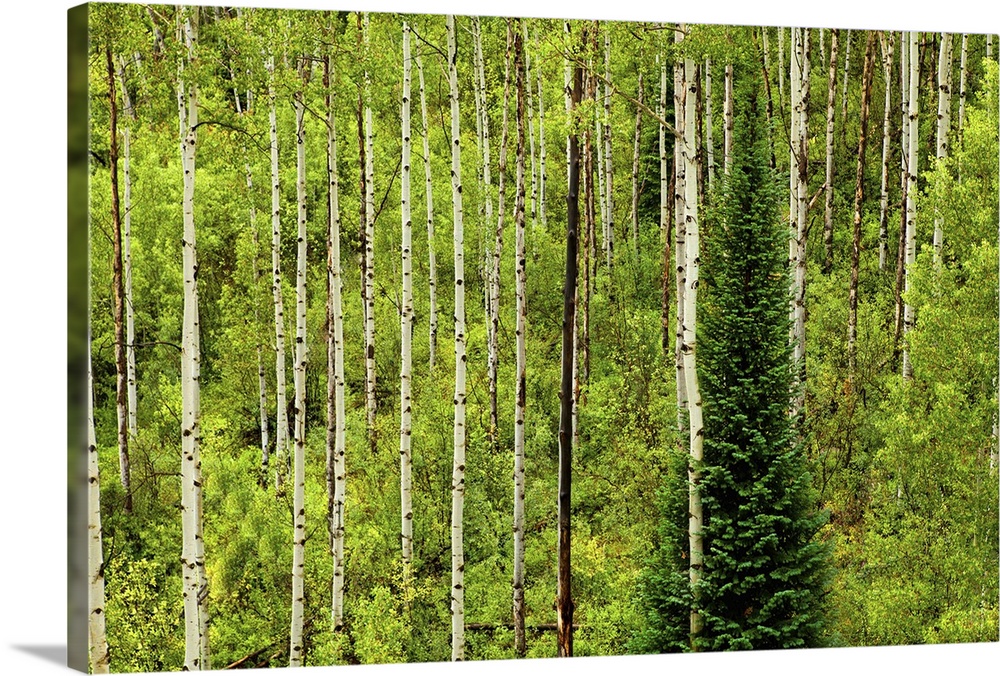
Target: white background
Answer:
[[32, 380]]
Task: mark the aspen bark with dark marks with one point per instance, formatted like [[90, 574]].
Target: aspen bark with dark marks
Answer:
[[406, 327], [336, 475], [458, 464], [118, 294], [692, 257], [131, 398], [97, 642], [887, 42], [195, 582], [541, 147], [371, 403], [943, 145], [281, 425], [521, 328], [912, 138], [680, 229], [429, 195], [831, 108], [295, 658], [494, 335]]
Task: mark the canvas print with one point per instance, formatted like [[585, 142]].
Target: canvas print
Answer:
[[419, 338]]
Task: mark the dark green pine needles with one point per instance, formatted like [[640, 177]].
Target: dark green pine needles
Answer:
[[765, 572]]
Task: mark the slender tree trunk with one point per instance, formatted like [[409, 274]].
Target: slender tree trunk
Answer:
[[795, 112], [859, 198], [830, 112], [609, 249], [298, 499], [541, 146], [261, 373], [689, 349], [680, 229], [943, 127], [801, 211], [406, 326], [636, 149], [904, 162], [196, 653], [709, 145], [97, 637], [281, 426], [429, 193], [665, 215], [521, 328], [962, 74], [728, 142], [568, 70], [458, 471], [133, 427], [336, 416], [487, 176], [564, 600], [494, 347], [371, 403], [887, 41], [781, 61], [822, 45], [118, 289], [847, 76], [913, 110], [531, 125]]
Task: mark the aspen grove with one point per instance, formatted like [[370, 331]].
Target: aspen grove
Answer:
[[371, 381]]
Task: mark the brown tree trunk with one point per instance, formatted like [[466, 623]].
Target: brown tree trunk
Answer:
[[564, 603]]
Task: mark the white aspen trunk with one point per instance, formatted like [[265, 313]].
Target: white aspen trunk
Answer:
[[494, 343], [680, 227], [608, 164], [887, 41], [962, 74], [831, 101], [728, 142], [521, 328], [904, 129], [689, 347], [531, 124], [989, 46], [794, 110], [97, 643], [406, 325], [781, 61], [599, 129], [371, 404], [281, 406], [943, 126], [635, 171], [847, 74], [661, 138], [913, 111], [458, 469], [541, 146], [118, 294], [195, 582], [298, 464], [801, 213], [336, 468], [487, 173], [133, 427], [261, 374], [709, 145], [429, 194]]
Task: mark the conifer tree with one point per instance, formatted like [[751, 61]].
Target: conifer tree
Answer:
[[763, 575]]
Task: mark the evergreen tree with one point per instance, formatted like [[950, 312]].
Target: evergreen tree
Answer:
[[764, 572]]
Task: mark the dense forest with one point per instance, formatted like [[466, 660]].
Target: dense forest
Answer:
[[417, 338]]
